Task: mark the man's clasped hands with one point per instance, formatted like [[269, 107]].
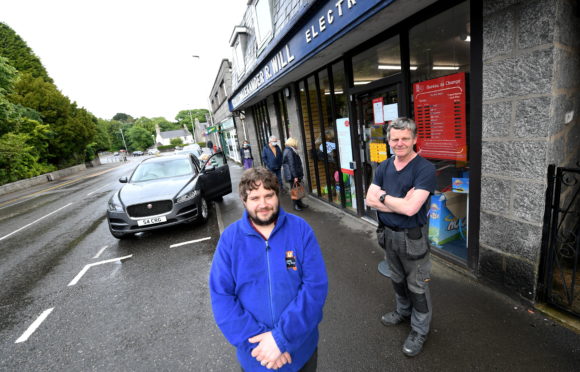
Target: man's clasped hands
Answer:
[[267, 351]]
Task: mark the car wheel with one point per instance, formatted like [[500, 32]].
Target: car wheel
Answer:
[[203, 210]]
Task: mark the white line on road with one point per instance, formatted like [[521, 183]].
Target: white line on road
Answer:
[[189, 242], [87, 267], [94, 191], [34, 326], [101, 251], [32, 223]]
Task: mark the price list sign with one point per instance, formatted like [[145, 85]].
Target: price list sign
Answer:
[[440, 117]]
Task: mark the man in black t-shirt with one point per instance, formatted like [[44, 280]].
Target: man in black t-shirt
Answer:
[[400, 193]]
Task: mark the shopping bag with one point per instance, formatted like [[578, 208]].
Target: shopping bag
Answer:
[[297, 191]]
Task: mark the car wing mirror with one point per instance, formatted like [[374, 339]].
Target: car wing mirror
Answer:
[[123, 179]]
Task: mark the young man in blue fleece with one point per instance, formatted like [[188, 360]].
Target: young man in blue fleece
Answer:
[[268, 282]]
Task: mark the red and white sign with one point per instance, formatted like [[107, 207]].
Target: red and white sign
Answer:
[[440, 117]]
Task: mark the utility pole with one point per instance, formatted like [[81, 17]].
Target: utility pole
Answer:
[[192, 127], [125, 143]]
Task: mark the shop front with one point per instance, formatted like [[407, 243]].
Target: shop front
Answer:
[[365, 75]]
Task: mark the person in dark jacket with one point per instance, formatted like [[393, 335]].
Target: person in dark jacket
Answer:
[[246, 155], [209, 145], [293, 171], [268, 282], [272, 156]]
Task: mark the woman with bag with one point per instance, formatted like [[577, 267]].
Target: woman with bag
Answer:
[[293, 173]]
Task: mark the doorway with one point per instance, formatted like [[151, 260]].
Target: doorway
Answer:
[[375, 110]]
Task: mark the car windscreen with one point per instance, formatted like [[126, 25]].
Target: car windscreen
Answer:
[[148, 171]]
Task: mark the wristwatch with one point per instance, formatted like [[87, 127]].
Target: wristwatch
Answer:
[[382, 197]]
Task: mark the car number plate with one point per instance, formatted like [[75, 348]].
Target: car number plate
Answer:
[[151, 221]]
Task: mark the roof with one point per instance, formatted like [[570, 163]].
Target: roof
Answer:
[[174, 133]]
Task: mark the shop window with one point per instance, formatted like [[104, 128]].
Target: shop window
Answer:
[[325, 142], [440, 49], [343, 137], [378, 62]]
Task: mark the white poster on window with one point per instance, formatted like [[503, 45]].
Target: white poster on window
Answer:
[[378, 111], [390, 112], [344, 143]]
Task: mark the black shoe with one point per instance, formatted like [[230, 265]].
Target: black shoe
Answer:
[[393, 318], [302, 205], [414, 344], [297, 208]]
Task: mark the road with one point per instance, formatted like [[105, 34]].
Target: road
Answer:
[[68, 302]]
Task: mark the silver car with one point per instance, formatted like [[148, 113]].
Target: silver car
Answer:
[[166, 191]]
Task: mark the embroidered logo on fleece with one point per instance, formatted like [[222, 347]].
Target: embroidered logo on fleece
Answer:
[[290, 260]]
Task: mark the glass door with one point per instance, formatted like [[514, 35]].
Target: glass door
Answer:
[[375, 110]]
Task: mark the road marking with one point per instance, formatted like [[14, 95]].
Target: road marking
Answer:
[[101, 251], [34, 326], [87, 267], [94, 191], [189, 242], [32, 223]]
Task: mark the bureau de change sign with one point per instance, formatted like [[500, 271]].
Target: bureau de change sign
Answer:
[[440, 117]]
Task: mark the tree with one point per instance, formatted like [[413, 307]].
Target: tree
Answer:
[[138, 138], [187, 117], [176, 141], [20, 55], [123, 118]]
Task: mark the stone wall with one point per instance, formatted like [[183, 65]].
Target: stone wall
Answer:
[[530, 82]]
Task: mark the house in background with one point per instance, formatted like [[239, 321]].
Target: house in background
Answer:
[[164, 138]]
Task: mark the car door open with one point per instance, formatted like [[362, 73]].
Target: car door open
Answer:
[[215, 177]]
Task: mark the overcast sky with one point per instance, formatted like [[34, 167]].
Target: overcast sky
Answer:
[[130, 56]]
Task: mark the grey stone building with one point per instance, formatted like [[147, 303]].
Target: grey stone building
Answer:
[[223, 119], [494, 87]]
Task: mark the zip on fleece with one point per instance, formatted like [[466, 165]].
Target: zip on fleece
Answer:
[[269, 281]]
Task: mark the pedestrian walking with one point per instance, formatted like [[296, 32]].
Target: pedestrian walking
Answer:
[[272, 156], [293, 171], [268, 281], [209, 145], [246, 155], [399, 192]]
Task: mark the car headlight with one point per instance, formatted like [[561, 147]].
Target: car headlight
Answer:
[[114, 207], [187, 196]]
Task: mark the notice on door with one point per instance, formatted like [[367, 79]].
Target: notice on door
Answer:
[[344, 145], [440, 117], [378, 111]]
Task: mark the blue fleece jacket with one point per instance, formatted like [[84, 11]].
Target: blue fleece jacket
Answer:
[[277, 285]]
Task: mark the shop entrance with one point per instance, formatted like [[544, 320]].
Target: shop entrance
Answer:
[[375, 110]]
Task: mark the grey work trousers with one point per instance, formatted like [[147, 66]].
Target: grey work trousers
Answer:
[[409, 267]]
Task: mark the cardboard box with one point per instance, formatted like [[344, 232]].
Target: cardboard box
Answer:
[[446, 212], [460, 185]]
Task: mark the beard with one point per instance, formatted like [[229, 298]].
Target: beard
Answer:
[[261, 222]]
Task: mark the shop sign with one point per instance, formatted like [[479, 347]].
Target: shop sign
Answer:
[[333, 19], [440, 117], [227, 124], [213, 129]]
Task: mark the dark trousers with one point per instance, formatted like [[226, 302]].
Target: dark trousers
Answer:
[[310, 366]]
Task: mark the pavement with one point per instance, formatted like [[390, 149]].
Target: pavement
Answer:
[[474, 327]]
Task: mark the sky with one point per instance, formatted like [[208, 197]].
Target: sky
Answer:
[[129, 56]]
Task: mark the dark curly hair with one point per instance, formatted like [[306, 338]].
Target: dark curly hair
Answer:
[[253, 177]]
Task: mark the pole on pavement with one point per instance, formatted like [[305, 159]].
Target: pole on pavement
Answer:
[[192, 127], [125, 143]]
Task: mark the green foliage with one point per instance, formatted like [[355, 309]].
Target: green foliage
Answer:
[[18, 158], [138, 138], [188, 117], [123, 118], [176, 141], [19, 54]]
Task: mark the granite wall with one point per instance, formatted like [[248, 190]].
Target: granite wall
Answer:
[[531, 103]]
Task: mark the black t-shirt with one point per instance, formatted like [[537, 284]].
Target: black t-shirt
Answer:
[[420, 174]]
